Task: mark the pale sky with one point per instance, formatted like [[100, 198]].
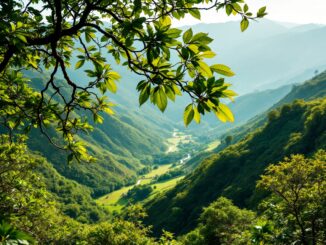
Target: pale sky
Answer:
[[292, 11]]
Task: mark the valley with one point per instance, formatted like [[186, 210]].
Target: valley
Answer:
[[120, 127], [181, 145], [117, 200]]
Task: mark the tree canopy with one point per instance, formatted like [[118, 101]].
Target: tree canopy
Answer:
[[44, 36], [297, 203]]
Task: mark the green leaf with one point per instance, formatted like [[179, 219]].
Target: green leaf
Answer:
[[110, 84], [97, 119], [13, 27], [160, 99], [195, 13], [187, 35], [229, 94], [193, 48], [237, 7], [205, 69], [137, 5], [188, 115], [108, 111], [228, 9], [207, 54], [244, 24], [79, 64], [196, 115], [202, 38], [114, 75], [245, 8], [87, 37], [173, 33], [170, 93], [224, 113], [176, 90], [19, 24], [22, 38], [261, 12], [144, 95], [165, 21], [223, 70]]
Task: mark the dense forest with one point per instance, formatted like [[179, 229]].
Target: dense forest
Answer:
[[118, 127]]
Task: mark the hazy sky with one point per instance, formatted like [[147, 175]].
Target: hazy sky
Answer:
[[293, 11]]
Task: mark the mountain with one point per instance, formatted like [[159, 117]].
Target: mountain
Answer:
[[299, 127], [244, 108], [309, 90], [256, 59], [254, 55]]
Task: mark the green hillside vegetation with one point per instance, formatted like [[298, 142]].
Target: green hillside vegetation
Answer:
[[74, 200], [293, 211], [151, 183], [244, 108], [35, 215], [293, 128], [88, 157], [309, 90], [122, 145]]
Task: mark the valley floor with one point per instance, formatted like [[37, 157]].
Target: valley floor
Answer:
[[179, 142], [116, 200]]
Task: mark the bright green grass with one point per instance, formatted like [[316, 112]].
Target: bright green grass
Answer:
[[113, 198], [162, 186], [213, 145], [114, 201], [159, 171]]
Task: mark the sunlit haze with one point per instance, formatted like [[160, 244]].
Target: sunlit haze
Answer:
[[291, 11]]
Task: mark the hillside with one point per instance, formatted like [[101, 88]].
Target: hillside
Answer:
[[74, 200], [244, 108], [123, 145], [251, 112], [309, 90], [294, 128]]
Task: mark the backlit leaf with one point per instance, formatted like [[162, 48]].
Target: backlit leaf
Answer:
[[188, 115], [160, 99], [223, 70], [205, 69], [224, 113]]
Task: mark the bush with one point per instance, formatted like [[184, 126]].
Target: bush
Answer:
[[139, 192]]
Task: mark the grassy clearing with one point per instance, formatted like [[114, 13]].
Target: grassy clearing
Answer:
[[162, 186], [159, 171], [113, 198], [213, 145], [115, 201]]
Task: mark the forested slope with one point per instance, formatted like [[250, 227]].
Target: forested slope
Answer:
[[294, 128], [123, 144], [309, 90]]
